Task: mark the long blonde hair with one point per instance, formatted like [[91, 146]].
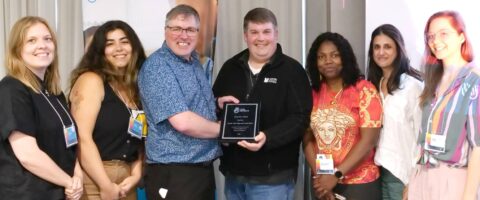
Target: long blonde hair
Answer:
[[16, 66]]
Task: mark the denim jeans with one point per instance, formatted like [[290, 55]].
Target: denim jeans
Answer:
[[392, 187], [235, 190]]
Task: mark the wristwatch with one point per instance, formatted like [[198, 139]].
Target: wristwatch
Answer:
[[338, 174]]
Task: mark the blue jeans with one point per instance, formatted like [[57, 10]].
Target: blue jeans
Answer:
[[235, 190]]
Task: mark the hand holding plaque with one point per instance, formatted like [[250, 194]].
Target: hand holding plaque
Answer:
[[239, 122]]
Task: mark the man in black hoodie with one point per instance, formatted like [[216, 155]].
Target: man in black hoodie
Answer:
[[266, 168]]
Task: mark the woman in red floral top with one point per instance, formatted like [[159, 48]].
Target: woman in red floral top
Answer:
[[345, 123]]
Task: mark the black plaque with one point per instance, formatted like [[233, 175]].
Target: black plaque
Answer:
[[239, 122]]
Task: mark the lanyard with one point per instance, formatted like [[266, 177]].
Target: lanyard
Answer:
[[447, 91], [430, 116], [124, 102], [58, 114]]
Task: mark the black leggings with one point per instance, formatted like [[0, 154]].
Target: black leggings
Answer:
[[365, 191]]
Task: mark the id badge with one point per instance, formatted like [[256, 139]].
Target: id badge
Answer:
[[435, 143], [135, 128], [70, 135], [324, 164], [143, 119]]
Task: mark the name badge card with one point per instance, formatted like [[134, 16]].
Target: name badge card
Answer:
[[324, 164], [239, 122], [435, 142], [135, 126], [70, 135]]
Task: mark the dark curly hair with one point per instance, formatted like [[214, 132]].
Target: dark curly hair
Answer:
[[95, 61], [350, 71]]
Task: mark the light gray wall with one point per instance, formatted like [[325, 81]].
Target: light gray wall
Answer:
[[348, 19], [344, 17], [316, 19]]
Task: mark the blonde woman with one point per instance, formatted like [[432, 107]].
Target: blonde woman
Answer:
[[38, 135]]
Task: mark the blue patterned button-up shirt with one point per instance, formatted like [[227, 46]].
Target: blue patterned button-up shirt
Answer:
[[170, 84]]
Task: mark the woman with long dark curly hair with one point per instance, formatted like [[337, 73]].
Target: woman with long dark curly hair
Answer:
[[345, 123], [105, 104]]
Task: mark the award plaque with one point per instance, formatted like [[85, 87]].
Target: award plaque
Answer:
[[239, 122]]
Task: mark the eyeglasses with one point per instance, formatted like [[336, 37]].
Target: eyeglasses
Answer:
[[324, 57], [177, 30], [442, 34]]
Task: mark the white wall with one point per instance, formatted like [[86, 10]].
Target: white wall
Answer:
[[410, 17], [147, 17]]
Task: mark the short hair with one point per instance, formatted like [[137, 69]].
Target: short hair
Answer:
[[434, 67], [401, 64], [182, 9], [16, 66], [94, 59], [350, 71], [259, 15]]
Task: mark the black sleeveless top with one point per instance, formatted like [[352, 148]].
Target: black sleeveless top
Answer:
[[111, 129]]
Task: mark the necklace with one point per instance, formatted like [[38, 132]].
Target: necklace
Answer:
[[334, 101]]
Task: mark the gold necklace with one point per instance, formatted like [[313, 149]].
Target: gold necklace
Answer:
[[334, 101]]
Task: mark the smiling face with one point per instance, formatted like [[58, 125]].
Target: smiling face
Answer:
[[384, 51], [118, 50], [329, 61], [444, 41], [38, 49], [261, 39], [183, 43]]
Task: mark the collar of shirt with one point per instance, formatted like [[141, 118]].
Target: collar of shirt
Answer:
[[459, 79], [194, 56]]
